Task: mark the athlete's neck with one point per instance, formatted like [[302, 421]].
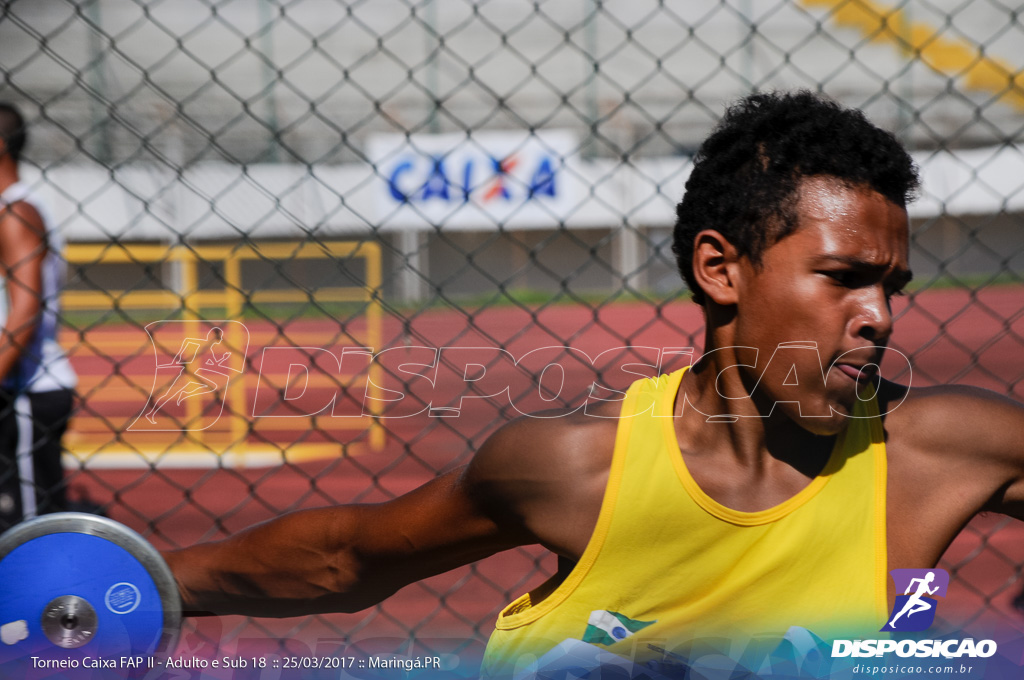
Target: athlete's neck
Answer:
[[718, 413]]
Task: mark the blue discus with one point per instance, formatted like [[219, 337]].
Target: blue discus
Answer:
[[79, 587]]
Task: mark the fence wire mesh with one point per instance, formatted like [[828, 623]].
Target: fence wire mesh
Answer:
[[272, 185]]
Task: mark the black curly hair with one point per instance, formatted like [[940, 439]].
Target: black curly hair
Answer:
[[12, 129], [747, 172]]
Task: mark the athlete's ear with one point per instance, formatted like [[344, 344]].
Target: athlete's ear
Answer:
[[716, 266]]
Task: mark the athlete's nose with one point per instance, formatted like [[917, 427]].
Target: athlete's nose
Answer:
[[872, 318]]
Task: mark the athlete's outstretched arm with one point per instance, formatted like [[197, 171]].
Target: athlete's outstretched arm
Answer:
[[343, 558], [533, 481]]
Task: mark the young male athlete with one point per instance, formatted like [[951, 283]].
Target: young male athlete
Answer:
[[773, 484]]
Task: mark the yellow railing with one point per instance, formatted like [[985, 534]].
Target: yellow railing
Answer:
[[188, 303], [937, 47]]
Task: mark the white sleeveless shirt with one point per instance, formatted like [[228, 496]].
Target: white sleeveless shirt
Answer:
[[43, 366]]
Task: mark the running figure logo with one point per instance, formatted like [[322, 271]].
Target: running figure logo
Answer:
[[201, 365], [914, 610]]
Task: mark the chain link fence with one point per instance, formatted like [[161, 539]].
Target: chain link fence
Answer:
[[272, 186]]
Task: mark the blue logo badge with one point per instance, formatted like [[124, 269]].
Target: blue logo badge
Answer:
[[914, 610], [123, 598]]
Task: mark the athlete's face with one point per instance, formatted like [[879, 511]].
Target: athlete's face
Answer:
[[827, 285]]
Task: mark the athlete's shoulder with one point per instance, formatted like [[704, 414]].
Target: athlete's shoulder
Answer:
[[955, 421], [550, 444], [546, 474]]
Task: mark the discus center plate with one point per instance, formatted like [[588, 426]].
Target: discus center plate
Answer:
[[69, 621]]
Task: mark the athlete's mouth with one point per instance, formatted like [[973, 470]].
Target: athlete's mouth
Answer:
[[861, 373]]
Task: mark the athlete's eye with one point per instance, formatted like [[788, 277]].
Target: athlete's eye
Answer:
[[843, 277]]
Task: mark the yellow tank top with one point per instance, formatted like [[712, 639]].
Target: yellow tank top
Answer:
[[670, 564]]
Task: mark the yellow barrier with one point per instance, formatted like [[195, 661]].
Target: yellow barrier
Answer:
[[952, 57], [189, 301]]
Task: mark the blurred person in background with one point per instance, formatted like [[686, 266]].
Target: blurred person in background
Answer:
[[36, 379]]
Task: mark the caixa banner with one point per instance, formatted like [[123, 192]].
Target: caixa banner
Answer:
[[477, 180]]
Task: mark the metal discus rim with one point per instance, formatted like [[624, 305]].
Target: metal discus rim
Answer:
[[123, 537]]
